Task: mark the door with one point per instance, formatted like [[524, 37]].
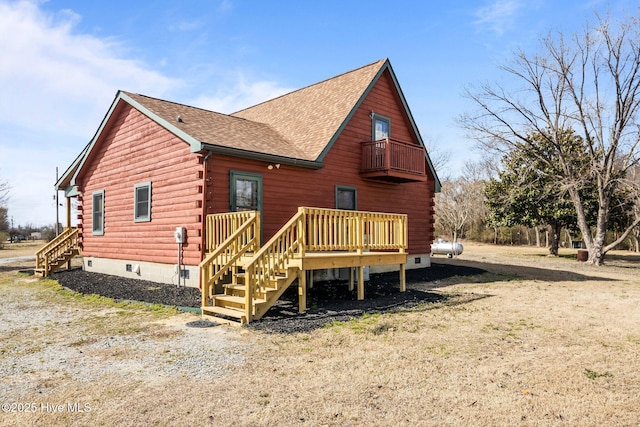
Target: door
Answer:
[[246, 192]]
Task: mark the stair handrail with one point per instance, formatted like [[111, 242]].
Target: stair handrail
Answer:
[[57, 246], [273, 258], [218, 263]]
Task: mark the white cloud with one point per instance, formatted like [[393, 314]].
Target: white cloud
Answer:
[[54, 79], [57, 86], [238, 95], [498, 15]]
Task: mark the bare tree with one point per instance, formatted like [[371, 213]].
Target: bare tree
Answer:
[[4, 191], [439, 157], [588, 83], [634, 176], [460, 202]]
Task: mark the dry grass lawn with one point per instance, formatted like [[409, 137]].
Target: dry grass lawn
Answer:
[[537, 341]]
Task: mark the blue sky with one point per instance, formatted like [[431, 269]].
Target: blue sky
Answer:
[[61, 63]]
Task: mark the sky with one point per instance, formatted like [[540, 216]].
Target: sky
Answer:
[[62, 62]]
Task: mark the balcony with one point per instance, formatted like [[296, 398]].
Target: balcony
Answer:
[[393, 161]]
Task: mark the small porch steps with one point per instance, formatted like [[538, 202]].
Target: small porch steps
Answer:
[[57, 252], [56, 263], [232, 303]]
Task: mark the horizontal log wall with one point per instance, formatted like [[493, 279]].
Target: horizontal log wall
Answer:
[[135, 150]]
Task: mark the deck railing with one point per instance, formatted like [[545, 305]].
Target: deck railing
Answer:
[[56, 249], [341, 230], [243, 229], [271, 260], [393, 155], [221, 226], [315, 229]]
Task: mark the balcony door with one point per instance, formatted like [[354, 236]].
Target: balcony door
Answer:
[[381, 127]]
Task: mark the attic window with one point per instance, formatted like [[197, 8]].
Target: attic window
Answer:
[[380, 127]]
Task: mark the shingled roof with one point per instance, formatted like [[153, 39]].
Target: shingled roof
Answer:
[[310, 117], [297, 128], [210, 128]]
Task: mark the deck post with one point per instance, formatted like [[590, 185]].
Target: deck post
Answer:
[[204, 287], [351, 279], [249, 287], [302, 291], [360, 282], [403, 278], [310, 279]]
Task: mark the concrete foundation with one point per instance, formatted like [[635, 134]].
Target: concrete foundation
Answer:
[[154, 272], [168, 273]]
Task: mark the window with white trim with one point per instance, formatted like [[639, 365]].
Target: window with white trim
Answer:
[[380, 127], [142, 202]]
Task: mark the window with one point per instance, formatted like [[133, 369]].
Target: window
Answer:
[[380, 127], [97, 212], [142, 202], [346, 198], [245, 192]]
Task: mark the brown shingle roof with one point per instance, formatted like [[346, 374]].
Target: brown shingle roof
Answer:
[[310, 117], [220, 129], [296, 125], [300, 125]]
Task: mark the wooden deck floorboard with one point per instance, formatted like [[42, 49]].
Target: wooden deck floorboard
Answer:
[[320, 260]]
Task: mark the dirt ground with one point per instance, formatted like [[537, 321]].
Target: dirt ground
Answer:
[[531, 341]]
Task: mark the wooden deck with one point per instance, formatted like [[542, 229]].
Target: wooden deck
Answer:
[[314, 239]]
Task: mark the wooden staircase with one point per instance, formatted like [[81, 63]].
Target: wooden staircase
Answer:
[[232, 302], [57, 252], [241, 281]]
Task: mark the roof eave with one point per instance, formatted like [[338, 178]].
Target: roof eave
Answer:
[[195, 145], [64, 181], [262, 157]]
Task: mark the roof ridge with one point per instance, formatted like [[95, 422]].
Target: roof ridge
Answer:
[[179, 103], [310, 86]]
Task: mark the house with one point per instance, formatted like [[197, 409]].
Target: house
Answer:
[[157, 181]]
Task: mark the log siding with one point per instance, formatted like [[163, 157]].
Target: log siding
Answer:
[[186, 186], [136, 150]]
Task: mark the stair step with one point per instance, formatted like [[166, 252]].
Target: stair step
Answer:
[[236, 300], [222, 311], [235, 290], [241, 288]]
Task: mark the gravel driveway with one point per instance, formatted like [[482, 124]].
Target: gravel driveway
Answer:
[[81, 341]]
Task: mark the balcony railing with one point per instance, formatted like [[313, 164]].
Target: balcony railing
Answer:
[[392, 160]]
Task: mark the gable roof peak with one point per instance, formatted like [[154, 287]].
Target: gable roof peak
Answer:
[[311, 117], [376, 64]]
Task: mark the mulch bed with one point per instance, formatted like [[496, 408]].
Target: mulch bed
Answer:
[[326, 301]]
